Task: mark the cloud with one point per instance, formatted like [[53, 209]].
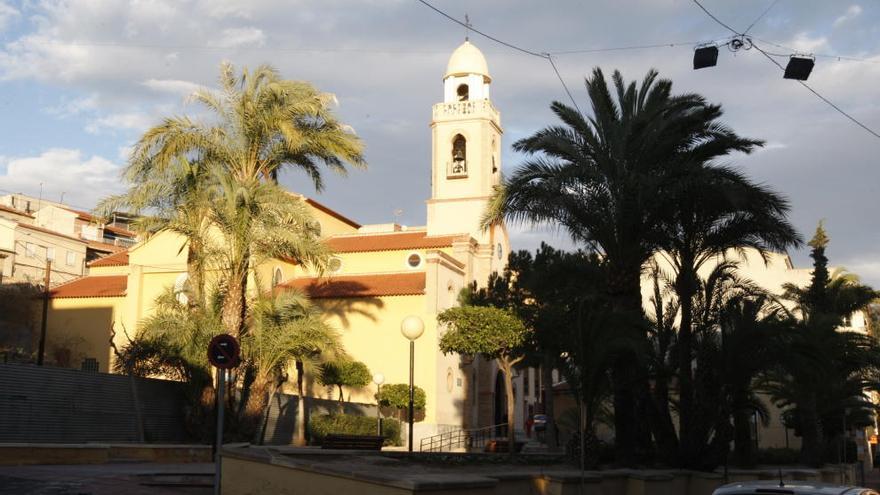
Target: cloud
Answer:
[[172, 86], [246, 36], [851, 13], [83, 180], [7, 13], [129, 121]]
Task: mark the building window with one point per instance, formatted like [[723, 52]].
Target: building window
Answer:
[[458, 167], [315, 228], [71, 258], [414, 260], [277, 277], [500, 251], [334, 265], [50, 253], [30, 250], [462, 92]]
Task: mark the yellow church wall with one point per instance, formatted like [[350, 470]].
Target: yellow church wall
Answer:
[[370, 331], [331, 225], [80, 328]]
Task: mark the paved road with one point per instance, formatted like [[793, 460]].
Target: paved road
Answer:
[[107, 479]]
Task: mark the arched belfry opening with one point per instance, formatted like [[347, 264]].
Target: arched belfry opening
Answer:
[[458, 165], [463, 92]]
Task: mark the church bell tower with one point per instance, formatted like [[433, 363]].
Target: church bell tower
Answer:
[[466, 154]]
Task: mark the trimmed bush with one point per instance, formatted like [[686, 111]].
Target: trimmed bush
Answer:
[[347, 424]]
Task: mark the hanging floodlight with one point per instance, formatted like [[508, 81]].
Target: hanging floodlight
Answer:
[[705, 56], [799, 67]]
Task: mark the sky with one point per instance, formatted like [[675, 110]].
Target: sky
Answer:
[[80, 80]]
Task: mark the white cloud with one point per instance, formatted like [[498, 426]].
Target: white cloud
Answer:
[[7, 13], [851, 13], [74, 107], [245, 36], [83, 180], [805, 44], [172, 86], [128, 121]]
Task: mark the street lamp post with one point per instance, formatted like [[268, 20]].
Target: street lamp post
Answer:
[[378, 379], [412, 328]]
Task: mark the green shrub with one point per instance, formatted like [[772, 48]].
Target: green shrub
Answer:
[[396, 396], [347, 424]]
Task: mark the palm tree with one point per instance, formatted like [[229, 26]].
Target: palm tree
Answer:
[[263, 125], [714, 209], [824, 371], [604, 178], [286, 329]]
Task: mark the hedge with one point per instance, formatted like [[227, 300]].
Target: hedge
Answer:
[[347, 424]]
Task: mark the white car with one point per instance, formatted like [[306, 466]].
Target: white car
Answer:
[[791, 488]]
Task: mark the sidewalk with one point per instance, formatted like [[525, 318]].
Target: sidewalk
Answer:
[[107, 479]]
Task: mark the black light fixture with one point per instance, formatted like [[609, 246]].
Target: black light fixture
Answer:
[[799, 67], [705, 56]]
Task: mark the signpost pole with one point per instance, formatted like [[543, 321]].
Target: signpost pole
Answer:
[[221, 387]]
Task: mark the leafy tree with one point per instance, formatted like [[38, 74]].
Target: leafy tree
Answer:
[[605, 179], [492, 333], [352, 374], [824, 371], [713, 209], [396, 396]]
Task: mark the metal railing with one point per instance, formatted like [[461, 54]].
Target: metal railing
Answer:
[[467, 439]]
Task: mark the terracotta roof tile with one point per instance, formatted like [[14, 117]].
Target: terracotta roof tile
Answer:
[[105, 247], [390, 284], [389, 242], [92, 286], [16, 211], [117, 259], [120, 231], [47, 231]]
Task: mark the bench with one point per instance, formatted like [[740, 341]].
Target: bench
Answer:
[[352, 442]]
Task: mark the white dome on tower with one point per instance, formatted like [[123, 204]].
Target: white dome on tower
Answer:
[[467, 59]]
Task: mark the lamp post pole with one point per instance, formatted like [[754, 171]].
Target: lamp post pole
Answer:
[[412, 390], [412, 328], [378, 379]]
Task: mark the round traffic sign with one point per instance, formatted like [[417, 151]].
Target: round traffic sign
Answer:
[[223, 351]]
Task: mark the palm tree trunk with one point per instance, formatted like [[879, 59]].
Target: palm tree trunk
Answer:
[[742, 442], [235, 302], [256, 405], [811, 432], [300, 433], [626, 301], [689, 451], [195, 270]]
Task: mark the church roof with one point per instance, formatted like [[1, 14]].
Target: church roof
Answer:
[[116, 259], [359, 243], [92, 286], [373, 285], [467, 59], [332, 213]]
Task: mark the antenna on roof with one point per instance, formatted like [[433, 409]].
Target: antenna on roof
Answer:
[[467, 28]]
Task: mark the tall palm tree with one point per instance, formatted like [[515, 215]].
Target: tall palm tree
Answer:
[[603, 179], [263, 125], [713, 210]]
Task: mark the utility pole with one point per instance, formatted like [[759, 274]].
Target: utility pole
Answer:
[[42, 350]]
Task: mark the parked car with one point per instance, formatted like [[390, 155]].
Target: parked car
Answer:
[[790, 487], [540, 422]]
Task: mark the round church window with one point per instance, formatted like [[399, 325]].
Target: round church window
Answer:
[[334, 265], [414, 260]]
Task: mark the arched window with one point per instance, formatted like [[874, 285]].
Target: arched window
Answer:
[[462, 92], [459, 156], [277, 277]]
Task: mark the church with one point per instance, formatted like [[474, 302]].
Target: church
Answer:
[[379, 275]]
